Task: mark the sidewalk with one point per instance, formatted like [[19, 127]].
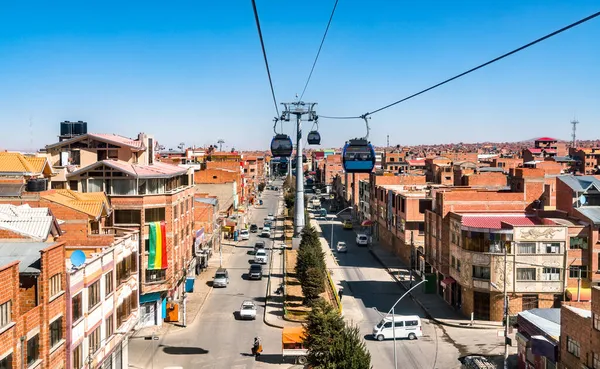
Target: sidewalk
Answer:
[[433, 304]]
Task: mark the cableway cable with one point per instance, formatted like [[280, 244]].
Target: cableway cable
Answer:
[[319, 51], [472, 69], [262, 44]]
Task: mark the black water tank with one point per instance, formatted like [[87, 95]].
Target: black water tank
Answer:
[[83, 127], [66, 128], [77, 128], [37, 185]]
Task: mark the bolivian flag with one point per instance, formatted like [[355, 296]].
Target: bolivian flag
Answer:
[[157, 258]]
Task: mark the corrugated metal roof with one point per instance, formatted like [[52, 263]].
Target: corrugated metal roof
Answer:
[[208, 200], [591, 212], [28, 253], [494, 221], [490, 169], [548, 320], [30, 222]]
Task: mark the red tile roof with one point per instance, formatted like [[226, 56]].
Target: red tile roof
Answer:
[[416, 162], [550, 151], [494, 221], [534, 150], [546, 139]]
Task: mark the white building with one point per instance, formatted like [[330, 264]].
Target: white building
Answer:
[[104, 300]]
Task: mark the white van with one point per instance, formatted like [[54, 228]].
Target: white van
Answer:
[[407, 326]]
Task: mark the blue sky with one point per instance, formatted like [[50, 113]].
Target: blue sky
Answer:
[[192, 71]]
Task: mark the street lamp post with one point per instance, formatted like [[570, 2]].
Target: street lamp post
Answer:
[[393, 317], [331, 224]]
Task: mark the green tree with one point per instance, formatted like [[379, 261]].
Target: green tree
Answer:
[[313, 284], [290, 200], [261, 187], [309, 237], [348, 350], [323, 324], [309, 257]]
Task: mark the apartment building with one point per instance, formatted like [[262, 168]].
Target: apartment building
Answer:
[[364, 200], [152, 197], [332, 168], [580, 334], [588, 159], [32, 304], [103, 303]]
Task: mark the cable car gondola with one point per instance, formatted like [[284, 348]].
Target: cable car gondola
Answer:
[[313, 138], [281, 146], [358, 156]]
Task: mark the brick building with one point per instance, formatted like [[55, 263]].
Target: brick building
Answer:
[[580, 334], [537, 338], [588, 159], [32, 304]]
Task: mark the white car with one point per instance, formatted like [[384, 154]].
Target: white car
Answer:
[[248, 310], [362, 239], [244, 235], [260, 256], [341, 247], [266, 232], [271, 217]]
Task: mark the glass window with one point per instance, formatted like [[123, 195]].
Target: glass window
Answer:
[[552, 247], [595, 361], [481, 272], [110, 326], [56, 331], [154, 215], [7, 362], [93, 295], [526, 274], [127, 217], [77, 307], [530, 302], [123, 187], [526, 247], [155, 275], [551, 274], [597, 322], [6, 313], [108, 283], [33, 349], [578, 243], [95, 185], [55, 284], [94, 341], [576, 271], [572, 346], [412, 323]]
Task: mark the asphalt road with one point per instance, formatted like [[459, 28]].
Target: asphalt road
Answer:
[[376, 292], [217, 339]]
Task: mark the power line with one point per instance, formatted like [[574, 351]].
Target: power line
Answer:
[[319, 51], [262, 44], [474, 69]]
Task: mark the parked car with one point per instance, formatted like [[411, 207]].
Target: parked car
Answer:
[[248, 310], [341, 247], [348, 224], [259, 245], [253, 228], [221, 278], [255, 271], [260, 257], [362, 239], [244, 235]]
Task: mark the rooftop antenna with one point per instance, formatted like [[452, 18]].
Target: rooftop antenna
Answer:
[[574, 123], [220, 142], [388, 140]]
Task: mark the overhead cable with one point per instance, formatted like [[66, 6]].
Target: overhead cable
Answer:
[[319, 51], [264, 51], [472, 69]]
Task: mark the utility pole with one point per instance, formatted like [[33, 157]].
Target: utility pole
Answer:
[[505, 312], [299, 109], [388, 141], [220, 142]]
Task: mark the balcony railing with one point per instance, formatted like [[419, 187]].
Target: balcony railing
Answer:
[[479, 245]]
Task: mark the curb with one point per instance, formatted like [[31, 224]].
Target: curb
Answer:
[[427, 313]]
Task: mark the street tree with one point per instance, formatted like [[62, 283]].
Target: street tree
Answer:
[[309, 257], [322, 325], [261, 187], [313, 285], [309, 237], [348, 350]]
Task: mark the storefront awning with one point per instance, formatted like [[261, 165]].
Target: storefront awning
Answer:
[[585, 294], [447, 281], [366, 223]]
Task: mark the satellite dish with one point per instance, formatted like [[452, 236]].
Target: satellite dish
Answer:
[[77, 258], [582, 200]]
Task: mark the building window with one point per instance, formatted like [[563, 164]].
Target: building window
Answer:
[[552, 247], [154, 215], [526, 247], [525, 274], [530, 302], [7, 362], [94, 341], [33, 349], [108, 283], [56, 332], [457, 265], [481, 272], [110, 326], [127, 217], [576, 271], [6, 313], [77, 306], [572, 346], [597, 322], [155, 275], [595, 361], [578, 243], [93, 295], [55, 284], [551, 274]]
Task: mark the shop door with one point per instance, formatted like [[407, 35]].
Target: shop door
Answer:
[[148, 310], [481, 303]]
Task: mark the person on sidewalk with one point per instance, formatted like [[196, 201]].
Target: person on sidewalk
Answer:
[[257, 347]]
